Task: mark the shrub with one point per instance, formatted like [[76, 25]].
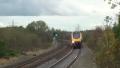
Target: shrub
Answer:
[[4, 52]]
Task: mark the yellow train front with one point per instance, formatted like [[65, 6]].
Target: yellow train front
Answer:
[[76, 38]]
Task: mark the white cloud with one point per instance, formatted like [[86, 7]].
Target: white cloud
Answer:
[[2, 25], [77, 7], [54, 7]]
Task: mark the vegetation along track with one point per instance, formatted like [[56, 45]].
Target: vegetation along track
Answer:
[[38, 60]]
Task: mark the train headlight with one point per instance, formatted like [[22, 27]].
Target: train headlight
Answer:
[[73, 41]]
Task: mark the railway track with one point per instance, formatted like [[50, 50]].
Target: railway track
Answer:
[[68, 55], [38, 60], [67, 60]]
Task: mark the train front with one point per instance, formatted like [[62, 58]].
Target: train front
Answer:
[[76, 39]]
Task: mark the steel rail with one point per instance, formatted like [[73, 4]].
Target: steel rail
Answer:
[[60, 60]]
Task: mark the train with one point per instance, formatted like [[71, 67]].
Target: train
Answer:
[[76, 40]]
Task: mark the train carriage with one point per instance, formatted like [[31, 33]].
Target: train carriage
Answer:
[[76, 38]]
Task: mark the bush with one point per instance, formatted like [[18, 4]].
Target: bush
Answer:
[[4, 52], [105, 47]]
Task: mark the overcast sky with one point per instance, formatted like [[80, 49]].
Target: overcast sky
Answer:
[[63, 14], [52, 7], [59, 22]]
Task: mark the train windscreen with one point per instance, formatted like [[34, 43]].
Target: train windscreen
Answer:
[[76, 35]]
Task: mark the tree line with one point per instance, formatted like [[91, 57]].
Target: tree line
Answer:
[[105, 44], [18, 39]]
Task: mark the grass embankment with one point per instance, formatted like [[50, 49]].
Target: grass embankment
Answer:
[[16, 41], [36, 37]]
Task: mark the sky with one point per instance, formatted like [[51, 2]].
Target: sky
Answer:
[[68, 23], [61, 14]]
